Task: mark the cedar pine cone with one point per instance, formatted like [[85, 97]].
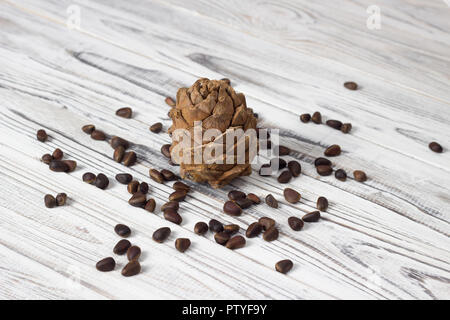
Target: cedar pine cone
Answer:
[[218, 106]]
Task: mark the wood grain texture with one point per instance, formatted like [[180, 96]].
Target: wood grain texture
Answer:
[[387, 238], [282, 92], [334, 31], [289, 81], [337, 30]]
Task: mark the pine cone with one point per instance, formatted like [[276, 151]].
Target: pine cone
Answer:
[[217, 106]]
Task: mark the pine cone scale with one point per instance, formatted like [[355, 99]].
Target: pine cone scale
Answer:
[[218, 106]]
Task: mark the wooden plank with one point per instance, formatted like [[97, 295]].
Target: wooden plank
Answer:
[[293, 83], [87, 214], [332, 257], [82, 233], [334, 31], [337, 30], [397, 137]]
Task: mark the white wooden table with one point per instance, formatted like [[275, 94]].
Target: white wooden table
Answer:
[[387, 238]]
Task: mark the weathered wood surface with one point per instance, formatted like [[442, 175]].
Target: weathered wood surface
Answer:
[[386, 238], [409, 49]]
